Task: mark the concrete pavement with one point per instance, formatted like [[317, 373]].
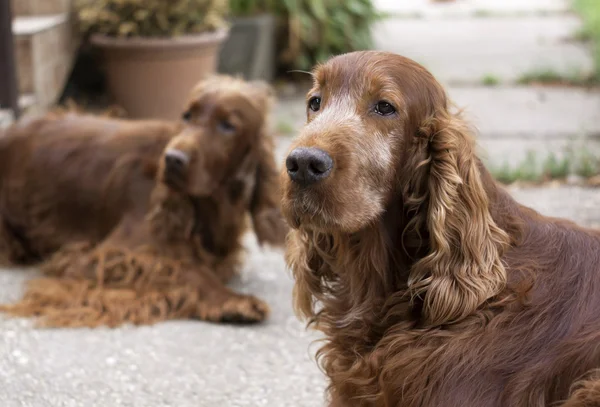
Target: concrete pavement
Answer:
[[471, 8], [176, 363], [466, 50]]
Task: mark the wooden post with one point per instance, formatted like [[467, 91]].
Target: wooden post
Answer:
[[9, 88]]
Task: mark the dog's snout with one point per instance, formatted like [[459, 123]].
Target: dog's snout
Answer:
[[176, 159], [308, 165], [176, 168]]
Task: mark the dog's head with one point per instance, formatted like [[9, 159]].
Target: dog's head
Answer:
[[224, 147], [364, 113], [224, 125], [380, 139]]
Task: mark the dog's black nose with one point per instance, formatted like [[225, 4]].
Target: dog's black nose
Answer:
[[308, 165], [175, 159]]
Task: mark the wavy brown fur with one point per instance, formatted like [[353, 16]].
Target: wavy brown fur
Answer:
[[433, 287], [123, 237]]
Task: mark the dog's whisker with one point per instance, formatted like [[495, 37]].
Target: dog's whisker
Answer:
[[301, 71]]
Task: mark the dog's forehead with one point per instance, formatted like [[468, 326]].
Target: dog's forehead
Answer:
[[226, 102], [227, 91], [357, 73], [375, 75]]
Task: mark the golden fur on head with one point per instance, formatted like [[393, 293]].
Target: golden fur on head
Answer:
[[431, 285], [140, 221], [258, 93]]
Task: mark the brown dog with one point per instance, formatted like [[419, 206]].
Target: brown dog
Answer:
[[432, 286], [140, 221]]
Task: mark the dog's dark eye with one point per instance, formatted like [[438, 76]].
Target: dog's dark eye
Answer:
[[314, 103], [384, 108], [186, 116], [226, 126]]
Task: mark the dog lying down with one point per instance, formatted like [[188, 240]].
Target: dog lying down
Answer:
[[141, 221]]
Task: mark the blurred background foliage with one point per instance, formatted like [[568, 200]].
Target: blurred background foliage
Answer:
[[310, 31]]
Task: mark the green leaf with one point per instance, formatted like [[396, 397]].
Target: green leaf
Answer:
[[333, 37], [323, 54], [357, 7], [318, 9], [309, 30], [304, 62], [341, 18], [292, 6]]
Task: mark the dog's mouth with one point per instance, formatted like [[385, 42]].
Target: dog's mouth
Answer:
[[330, 210], [175, 180], [306, 208], [176, 168], [206, 175]]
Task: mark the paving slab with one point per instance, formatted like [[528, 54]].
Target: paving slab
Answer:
[[465, 50], [569, 202], [530, 112], [481, 8], [513, 122]]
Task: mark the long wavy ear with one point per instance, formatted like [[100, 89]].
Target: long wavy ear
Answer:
[[268, 222], [309, 256], [463, 268], [267, 219]]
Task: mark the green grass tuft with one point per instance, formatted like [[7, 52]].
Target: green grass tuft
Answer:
[[580, 162], [490, 80], [589, 10], [504, 174], [528, 170], [482, 13], [551, 77], [555, 168], [587, 165]]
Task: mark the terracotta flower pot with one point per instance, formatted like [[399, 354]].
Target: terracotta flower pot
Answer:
[[152, 77]]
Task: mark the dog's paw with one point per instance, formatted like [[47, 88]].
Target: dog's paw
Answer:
[[244, 309]]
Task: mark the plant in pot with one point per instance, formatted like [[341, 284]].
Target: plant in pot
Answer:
[[250, 48], [155, 50]]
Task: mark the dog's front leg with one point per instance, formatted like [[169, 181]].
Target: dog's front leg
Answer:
[[218, 303]]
